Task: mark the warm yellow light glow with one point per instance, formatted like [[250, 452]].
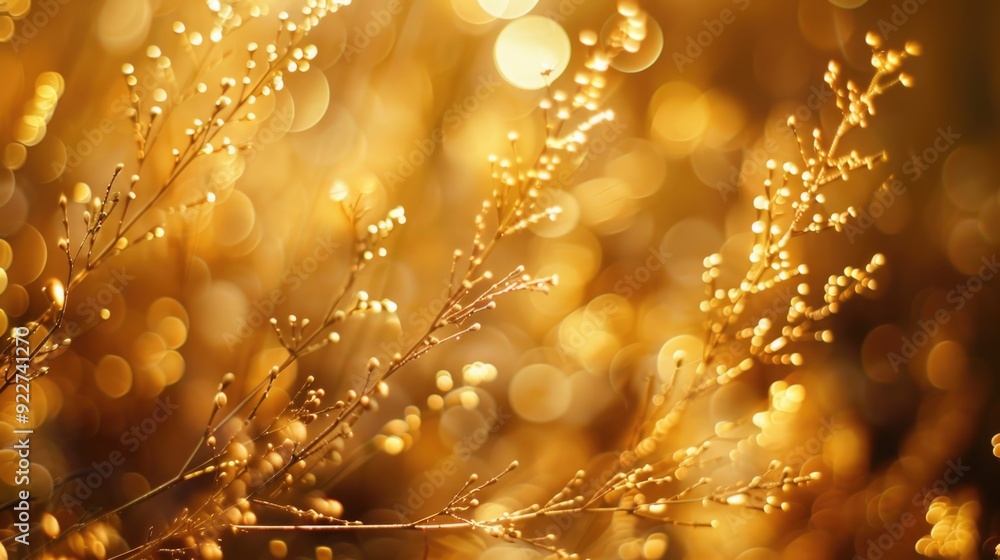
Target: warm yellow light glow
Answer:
[[532, 52]]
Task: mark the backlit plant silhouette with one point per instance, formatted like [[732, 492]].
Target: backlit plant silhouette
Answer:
[[269, 464]]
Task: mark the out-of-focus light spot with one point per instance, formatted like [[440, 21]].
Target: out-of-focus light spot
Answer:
[[18, 8], [219, 310], [846, 452], [649, 49], [594, 333], [234, 219], [680, 116], [311, 95], [531, 52], [339, 191], [947, 365], [393, 445], [49, 160], [507, 9], [470, 11], [469, 399], [969, 177], [726, 119], [14, 213], [458, 422], [6, 28], [640, 163], [989, 221], [171, 366], [53, 80], [478, 372], [14, 300], [540, 393], [148, 349], [435, 402], [81, 193], [687, 242], [955, 532], [966, 246], [443, 381], [124, 24], [6, 185], [14, 155], [30, 130], [173, 331], [165, 307], [29, 246], [848, 4], [575, 258], [334, 138], [6, 254], [882, 355], [113, 376]]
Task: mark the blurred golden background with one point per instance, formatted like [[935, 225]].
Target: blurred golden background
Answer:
[[402, 104]]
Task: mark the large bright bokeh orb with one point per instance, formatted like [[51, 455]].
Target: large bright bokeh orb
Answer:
[[531, 52], [507, 9]]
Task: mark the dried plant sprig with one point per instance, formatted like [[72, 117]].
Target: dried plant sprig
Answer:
[[150, 111], [793, 205], [250, 465], [269, 457], [641, 486], [58, 292], [790, 206]]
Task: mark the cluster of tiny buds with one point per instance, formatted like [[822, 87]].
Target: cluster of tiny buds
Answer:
[[369, 246], [855, 103], [365, 304]]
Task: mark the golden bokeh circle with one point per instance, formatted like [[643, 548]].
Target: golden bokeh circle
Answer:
[[14, 155], [113, 376], [234, 219], [123, 25], [540, 393], [470, 11], [29, 246], [531, 52], [165, 307], [680, 117], [507, 9], [311, 97], [6, 28], [14, 214], [6, 254], [173, 331], [171, 366], [6, 185], [14, 300]]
